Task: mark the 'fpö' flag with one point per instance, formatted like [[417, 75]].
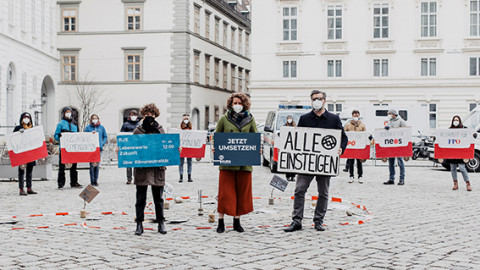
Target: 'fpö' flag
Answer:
[[454, 144]]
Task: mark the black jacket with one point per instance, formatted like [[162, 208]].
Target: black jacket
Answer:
[[20, 127], [129, 125]]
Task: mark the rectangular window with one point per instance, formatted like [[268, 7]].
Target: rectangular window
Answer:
[[207, 116], [232, 77], [217, 72], [240, 40], [429, 19], [196, 67], [380, 21], [240, 79], [196, 19], [133, 67], [207, 24], [247, 44], [134, 18], [334, 68], [429, 67], [290, 23], [335, 108], [474, 18], [69, 68], [232, 42], [225, 75], [34, 18], [207, 69], [474, 62], [289, 69], [217, 29], [225, 34], [380, 67], [247, 79], [334, 22], [472, 106], [69, 17], [432, 111]]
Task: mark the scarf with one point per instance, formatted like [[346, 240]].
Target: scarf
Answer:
[[150, 125], [238, 117]]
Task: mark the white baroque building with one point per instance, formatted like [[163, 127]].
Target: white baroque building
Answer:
[[28, 62], [187, 56], [365, 53]]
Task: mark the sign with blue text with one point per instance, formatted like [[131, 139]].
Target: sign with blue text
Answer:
[[148, 150], [236, 149]]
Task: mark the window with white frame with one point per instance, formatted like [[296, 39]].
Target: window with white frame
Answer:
[[428, 19], [34, 18], [69, 18], [380, 21], [335, 108], [196, 66], [207, 69], [247, 79], [474, 66], [69, 68], [134, 18], [217, 29], [134, 63], [247, 44], [232, 77], [196, 19], [232, 36], [240, 40], [432, 115], [380, 67], [290, 23], [217, 72], [334, 68], [474, 18], [207, 24], [334, 22], [289, 69], [225, 34], [225, 74], [42, 20], [429, 67], [240, 79]]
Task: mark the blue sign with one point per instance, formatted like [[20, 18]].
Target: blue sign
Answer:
[[236, 149], [148, 150]]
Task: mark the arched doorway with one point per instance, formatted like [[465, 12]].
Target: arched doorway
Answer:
[[11, 78], [195, 118], [47, 110]]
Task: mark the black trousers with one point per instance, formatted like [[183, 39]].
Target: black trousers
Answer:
[[157, 192], [350, 163], [61, 173], [21, 175]]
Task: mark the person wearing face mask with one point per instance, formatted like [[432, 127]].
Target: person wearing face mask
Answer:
[[25, 123], [67, 124], [185, 125], [129, 126], [454, 163], [395, 121], [235, 182], [355, 125], [96, 127], [290, 123]]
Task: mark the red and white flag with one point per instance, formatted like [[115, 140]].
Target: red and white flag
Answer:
[[454, 144], [27, 146], [395, 142], [79, 147], [358, 146], [193, 143]]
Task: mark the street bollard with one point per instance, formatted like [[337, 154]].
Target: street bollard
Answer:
[[271, 201], [200, 211], [211, 218], [166, 205], [83, 213]]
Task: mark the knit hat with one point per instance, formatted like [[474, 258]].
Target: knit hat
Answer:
[[393, 111]]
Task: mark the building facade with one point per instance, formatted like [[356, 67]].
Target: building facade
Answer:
[[186, 56], [388, 53], [28, 62]]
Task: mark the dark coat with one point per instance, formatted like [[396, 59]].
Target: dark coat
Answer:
[[129, 125], [20, 127], [150, 176]]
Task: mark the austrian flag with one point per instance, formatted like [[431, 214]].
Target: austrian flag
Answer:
[[79, 147], [26, 146]]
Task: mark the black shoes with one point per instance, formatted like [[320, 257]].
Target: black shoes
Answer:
[[319, 227], [401, 183], [30, 191], [129, 182], [95, 184], [389, 182], [22, 192], [236, 225], [76, 185], [221, 226], [161, 227], [190, 178], [295, 226], [139, 230], [181, 179]]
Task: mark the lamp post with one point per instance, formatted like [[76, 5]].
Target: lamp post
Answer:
[[43, 101]]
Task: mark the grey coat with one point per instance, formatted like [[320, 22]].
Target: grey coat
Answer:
[[397, 122], [150, 176]]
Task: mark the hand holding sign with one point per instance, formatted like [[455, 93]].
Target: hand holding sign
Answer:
[[80, 147], [27, 146], [454, 144]]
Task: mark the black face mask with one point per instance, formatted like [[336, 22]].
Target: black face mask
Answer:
[[150, 125]]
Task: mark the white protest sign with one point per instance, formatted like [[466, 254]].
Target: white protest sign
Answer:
[[357, 140], [454, 138], [394, 137], [79, 141], [309, 150], [28, 140], [191, 138]]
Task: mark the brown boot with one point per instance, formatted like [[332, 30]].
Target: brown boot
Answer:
[[22, 192], [30, 191], [469, 188], [455, 185]]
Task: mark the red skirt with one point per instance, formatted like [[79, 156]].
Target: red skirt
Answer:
[[235, 193]]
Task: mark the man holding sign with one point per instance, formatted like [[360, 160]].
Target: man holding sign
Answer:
[[325, 164], [394, 121]]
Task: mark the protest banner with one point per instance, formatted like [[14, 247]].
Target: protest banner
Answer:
[[454, 143], [148, 150], [309, 150], [27, 146], [395, 142], [236, 149], [358, 146], [79, 147], [193, 142]]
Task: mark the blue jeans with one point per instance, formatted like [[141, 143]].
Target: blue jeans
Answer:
[[189, 165], [463, 170], [94, 171], [391, 166]]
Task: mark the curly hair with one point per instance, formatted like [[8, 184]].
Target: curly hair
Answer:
[[150, 108], [244, 98]]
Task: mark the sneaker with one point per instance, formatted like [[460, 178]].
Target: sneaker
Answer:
[[351, 179], [360, 180], [60, 187]]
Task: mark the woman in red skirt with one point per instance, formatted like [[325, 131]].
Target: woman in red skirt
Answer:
[[235, 182]]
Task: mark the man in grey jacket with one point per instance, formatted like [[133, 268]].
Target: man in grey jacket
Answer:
[[395, 122]]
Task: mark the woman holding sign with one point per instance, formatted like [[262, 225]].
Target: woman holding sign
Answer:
[[235, 182], [96, 127], [185, 125], [25, 123], [454, 163], [149, 176], [290, 123]]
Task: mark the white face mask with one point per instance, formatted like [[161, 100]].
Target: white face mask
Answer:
[[68, 115], [389, 117], [355, 119], [95, 121], [185, 121], [289, 120], [26, 120], [237, 108], [133, 118], [456, 123], [318, 105]]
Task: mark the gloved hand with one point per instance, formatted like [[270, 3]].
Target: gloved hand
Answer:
[[475, 135], [370, 137], [387, 127]]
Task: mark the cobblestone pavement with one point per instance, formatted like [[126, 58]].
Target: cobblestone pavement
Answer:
[[422, 225]]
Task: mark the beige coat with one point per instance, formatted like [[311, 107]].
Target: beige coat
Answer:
[[358, 126], [151, 176]]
